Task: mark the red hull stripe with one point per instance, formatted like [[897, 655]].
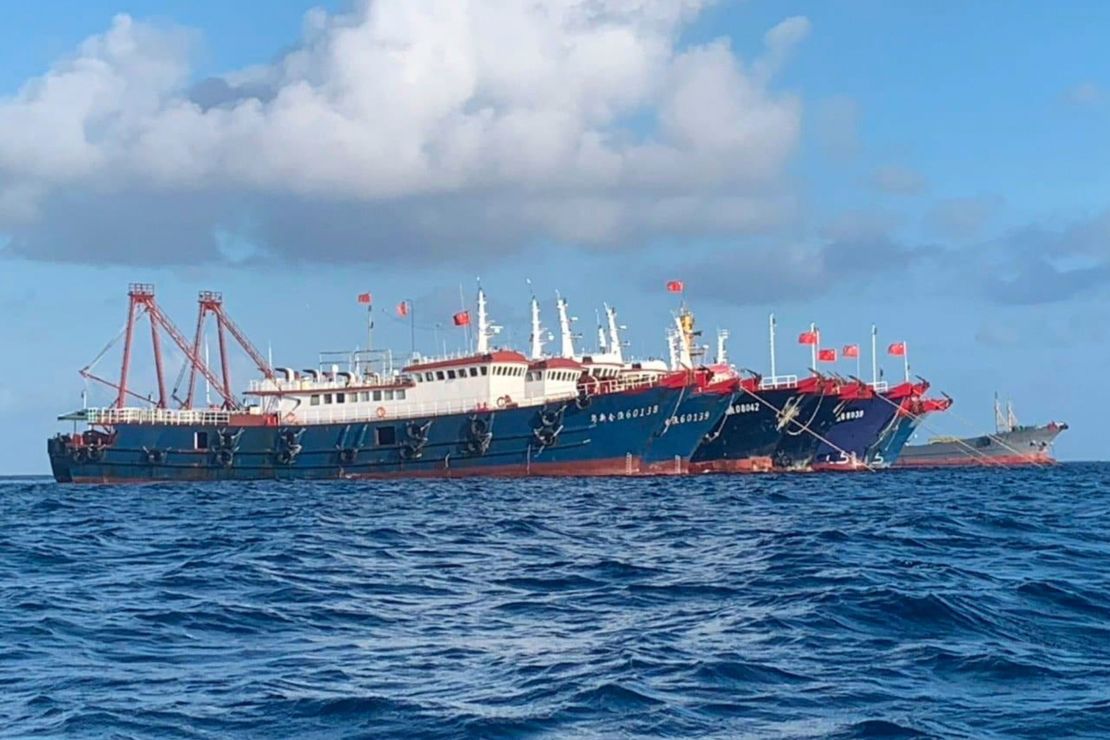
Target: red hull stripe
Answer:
[[746, 465], [617, 466]]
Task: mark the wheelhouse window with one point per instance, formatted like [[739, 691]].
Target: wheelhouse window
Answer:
[[387, 395], [314, 400], [485, 370], [364, 396], [450, 374], [327, 398], [474, 372], [428, 376], [340, 398], [400, 395], [439, 375], [377, 395]]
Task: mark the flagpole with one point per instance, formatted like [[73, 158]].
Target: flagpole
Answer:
[[813, 347], [874, 355], [369, 327], [412, 329], [466, 327], [906, 359], [772, 330]]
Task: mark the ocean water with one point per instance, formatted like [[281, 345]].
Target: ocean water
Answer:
[[896, 604]]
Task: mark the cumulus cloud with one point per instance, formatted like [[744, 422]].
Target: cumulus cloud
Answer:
[[1036, 264], [776, 274], [502, 121]]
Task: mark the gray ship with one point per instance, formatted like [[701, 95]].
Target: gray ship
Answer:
[[1011, 445]]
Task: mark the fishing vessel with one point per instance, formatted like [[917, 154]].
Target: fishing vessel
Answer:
[[702, 404], [776, 422], [489, 412], [1012, 444], [912, 412]]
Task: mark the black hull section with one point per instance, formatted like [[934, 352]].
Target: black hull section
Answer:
[[801, 438], [751, 430]]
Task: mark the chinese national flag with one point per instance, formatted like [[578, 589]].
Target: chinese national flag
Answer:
[[851, 350], [826, 355], [403, 309], [364, 298], [462, 318], [807, 337], [898, 349], [675, 286]]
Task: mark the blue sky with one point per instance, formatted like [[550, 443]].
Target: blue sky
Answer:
[[940, 169]]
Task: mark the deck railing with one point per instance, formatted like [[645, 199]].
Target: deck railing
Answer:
[[113, 416], [778, 381]]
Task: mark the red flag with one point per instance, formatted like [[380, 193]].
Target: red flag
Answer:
[[898, 349], [851, 350], [363, 297], [462, 318], [826, 355], [675, 286], [807, 337], [403, 309]]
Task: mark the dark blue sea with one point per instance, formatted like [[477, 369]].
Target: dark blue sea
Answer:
[[896, 604]]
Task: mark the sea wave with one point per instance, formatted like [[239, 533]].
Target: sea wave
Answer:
[[917, 604]]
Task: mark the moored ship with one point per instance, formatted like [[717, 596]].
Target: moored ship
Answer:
[[773, 423], [866, 423], [493, 412], [1012, 445], [912, 412]]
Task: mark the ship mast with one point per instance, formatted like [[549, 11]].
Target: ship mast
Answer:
[[537, 330], [673, 341], [682, 340], [722, 352], [567, 348], [486, 330], [614, 334]]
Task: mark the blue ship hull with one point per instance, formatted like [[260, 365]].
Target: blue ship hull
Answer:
[[616, 434], [890, 448], [853, 439], [697, 413]]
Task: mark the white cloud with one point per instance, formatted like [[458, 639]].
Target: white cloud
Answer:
[[585, 113]]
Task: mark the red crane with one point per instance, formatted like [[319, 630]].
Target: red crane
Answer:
[[141, 299]]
